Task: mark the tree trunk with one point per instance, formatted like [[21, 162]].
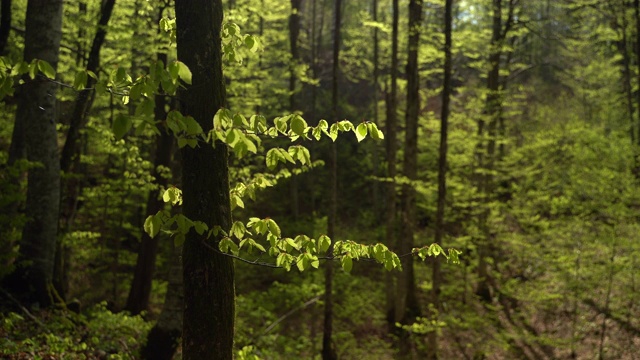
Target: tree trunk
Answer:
[[164, 337], [138, 299], [407, 307], [84, 99], [486, 160], [328, 351], [636, 6], [294, 32], [36, 108], [442, 174], [208, 276], [392, 148], [5, 25], [71, 150]]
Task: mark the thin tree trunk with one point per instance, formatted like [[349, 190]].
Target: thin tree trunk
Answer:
[[138, 299], [328, 351], [392, 148], [486, 161], [407, 307], [33, 276], [140, 290], [442, 175], [71, 150], [636, 6], [84, 99], [378, 207], [294, 33], [164, 337], [209, 292], [5, 25], [626, 73]]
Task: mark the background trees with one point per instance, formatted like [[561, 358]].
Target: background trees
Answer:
[[541, 181]]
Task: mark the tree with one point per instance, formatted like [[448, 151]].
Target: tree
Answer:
[[407, 306], [328, 350], [32, 279], [209, 293], [140, 291], [5, 24], [442, 173], [392, 148]]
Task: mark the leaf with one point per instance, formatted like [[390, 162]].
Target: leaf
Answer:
[[300, 262], [80, 80], [361, 131], [324, 242], [347, 263], [46, 69], [298, 125], [200, 227], [376, 134], [184, 73], [238, 230], [121, 126], [152, 225], [272, 159], [273, 227]]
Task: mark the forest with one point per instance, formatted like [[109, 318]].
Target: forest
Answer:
[[319, 179]]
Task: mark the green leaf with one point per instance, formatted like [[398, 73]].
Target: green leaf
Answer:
[[273, 227], [376, 134], [300, 262], [324, 242], [121, 126], [80, 80], [252, 43], [152, 225], [347, 263], [200, 227], [46, 69], [361, 131], [184, 72], [238, 229], [298, 125], [272, 158]]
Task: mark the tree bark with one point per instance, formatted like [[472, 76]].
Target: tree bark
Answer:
[[164, 337], [328, 351], [636, 6], [5, 25], [392, 149], [294, 33], [442, 174], [208, 276], [407, 307], [36, 109], [138, 299], [84, 98]]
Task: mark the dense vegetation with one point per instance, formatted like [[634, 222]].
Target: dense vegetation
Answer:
[[169, 188]]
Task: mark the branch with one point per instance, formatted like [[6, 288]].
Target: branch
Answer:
[[31, 316]]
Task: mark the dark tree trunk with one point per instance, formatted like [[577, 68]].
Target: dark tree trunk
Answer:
[[294, 33], [328, 351], [392, 148], [5, 25], [208, 276], [636, 6], [164, 337], [33, 276], [442, 173], [407, 307], [71, 150], [84, 99], [138, 299]]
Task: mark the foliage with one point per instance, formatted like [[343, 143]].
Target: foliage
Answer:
[[98, 334]]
